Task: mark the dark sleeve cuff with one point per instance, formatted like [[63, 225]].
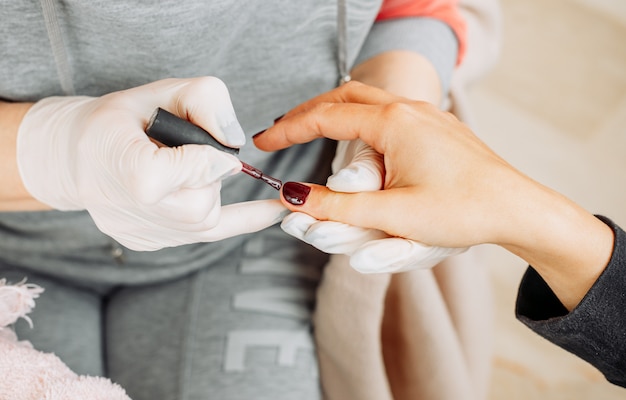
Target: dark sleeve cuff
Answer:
[[428, 37], [596, 329]]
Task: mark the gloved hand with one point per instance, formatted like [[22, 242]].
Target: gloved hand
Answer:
[[357, 168], [86, 153]]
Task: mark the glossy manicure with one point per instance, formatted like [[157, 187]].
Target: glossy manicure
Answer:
[[296, 193]]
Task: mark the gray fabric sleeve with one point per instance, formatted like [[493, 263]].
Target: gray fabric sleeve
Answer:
[[429, 37], [595, 330]]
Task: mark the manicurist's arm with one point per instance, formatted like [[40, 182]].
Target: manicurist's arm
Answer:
[[75, 153]]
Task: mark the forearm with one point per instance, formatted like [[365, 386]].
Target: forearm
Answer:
[[13, 195], [411, 57], [403, 73]]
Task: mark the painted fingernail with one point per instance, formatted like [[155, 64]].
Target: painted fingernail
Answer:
[[296, 193], [258, 134], [279, 118]]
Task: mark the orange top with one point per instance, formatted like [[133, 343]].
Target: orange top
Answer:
[[443, 10]]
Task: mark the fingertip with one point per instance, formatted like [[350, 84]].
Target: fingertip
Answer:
[[215, 113], [233, 132], [295, 193], [272, 138], [315, 200], [307, 198], [258, 134], [297, 224], [260, 141]]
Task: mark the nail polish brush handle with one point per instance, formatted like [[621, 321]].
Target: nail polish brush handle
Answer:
[[173, 131]]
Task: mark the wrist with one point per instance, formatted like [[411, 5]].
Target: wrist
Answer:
[[13, 194], [568, 246], [45, 150]]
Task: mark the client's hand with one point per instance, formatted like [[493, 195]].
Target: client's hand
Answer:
[[86, 153], [443, 187], [357, 167]]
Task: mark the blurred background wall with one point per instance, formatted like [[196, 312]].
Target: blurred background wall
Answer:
[[555, 107]]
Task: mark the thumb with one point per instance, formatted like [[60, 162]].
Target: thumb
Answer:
[[207, 103], [204, 101], [364, 209], [247, 217]]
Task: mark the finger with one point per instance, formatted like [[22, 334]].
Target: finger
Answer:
[[364, 170], [344, 152], [398, 255], [337, 121], [377, 210], [348, 151], [222, 223], [359, 176], [297, 224], [154, 173], [247, 217], [204, 101], [352, 92], [188, 206], [176, 220], [338, 238], [328, 236]]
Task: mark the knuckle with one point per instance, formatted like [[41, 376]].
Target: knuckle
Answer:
[[196, 212], [204, 88], [321, 107], [397, 111], [207, 85], [144, 189], [329, 207], [352, 85], [102, 111], [212, 219]]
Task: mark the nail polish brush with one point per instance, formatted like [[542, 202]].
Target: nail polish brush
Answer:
[[172, 131]]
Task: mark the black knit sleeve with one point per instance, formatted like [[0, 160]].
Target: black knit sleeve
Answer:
[[596, 329]]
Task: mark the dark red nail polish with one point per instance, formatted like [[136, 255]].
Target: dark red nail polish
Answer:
[[296, 193], [258, 134], [279, 118]]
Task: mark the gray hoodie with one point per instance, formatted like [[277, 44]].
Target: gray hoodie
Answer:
[[272, 55]]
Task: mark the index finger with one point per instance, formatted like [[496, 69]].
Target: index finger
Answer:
[[351, 92], [339, 121], [334, 114]]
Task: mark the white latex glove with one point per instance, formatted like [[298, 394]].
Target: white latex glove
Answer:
[[357, 168], [86, 153]]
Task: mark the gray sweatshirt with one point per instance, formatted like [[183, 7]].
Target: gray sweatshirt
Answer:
[[272, 55]]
